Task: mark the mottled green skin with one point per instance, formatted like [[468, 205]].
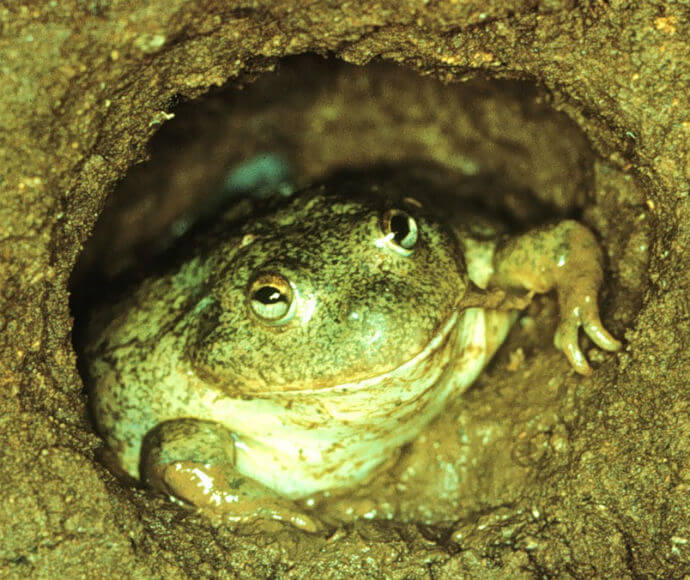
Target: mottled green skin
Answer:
[[212, 405]]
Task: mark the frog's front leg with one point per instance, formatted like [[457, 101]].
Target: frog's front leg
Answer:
[[194, 461], [565, 257]]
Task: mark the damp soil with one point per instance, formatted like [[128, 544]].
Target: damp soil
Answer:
[[543, 109]]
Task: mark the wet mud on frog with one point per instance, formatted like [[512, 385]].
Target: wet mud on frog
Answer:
[[297, 351]]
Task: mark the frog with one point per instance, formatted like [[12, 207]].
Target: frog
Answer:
[[295, 349]]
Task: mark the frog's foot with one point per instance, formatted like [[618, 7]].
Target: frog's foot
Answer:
[[224, 497], [193, 462], [565, 257], [578, 306], [347, 506]]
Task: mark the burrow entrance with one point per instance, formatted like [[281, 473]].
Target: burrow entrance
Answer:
[[496, 140]]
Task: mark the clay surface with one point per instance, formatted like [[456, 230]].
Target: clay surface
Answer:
[[535, 472]]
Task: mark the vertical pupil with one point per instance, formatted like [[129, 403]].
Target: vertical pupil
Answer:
[[268, 295], [400, 227]]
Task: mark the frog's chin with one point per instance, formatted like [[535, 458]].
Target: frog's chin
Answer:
[[410, 367]]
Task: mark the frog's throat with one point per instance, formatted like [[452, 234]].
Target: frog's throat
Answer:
[[437, 342]]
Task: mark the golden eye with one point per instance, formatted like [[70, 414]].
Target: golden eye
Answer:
[[272, 298], [400, 229]]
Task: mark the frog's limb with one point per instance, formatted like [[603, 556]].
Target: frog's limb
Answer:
[[565, 257], [194, 461]]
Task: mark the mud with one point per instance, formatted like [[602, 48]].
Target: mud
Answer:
[[535, 472]]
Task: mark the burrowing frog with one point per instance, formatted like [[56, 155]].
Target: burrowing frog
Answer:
[[296, 352]]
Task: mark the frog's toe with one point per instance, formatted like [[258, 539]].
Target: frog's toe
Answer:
[[566, 340], [306, 524], [598, 333], [582, 313], [296, 519]]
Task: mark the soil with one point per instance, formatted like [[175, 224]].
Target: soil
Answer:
[[535, 472]]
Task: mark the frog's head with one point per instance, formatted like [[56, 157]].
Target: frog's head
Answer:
[[328, 289]]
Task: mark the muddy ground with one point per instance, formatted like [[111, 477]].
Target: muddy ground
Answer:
[[534, 472]]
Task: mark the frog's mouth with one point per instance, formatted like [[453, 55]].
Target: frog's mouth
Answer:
[[414, 368]]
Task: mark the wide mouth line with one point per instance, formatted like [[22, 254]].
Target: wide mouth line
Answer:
[[429, 349]]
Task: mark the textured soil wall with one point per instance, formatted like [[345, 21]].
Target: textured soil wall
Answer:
[[602, 488]]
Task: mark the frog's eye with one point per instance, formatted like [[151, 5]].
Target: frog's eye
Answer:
[[400, 231], [272, 298]]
